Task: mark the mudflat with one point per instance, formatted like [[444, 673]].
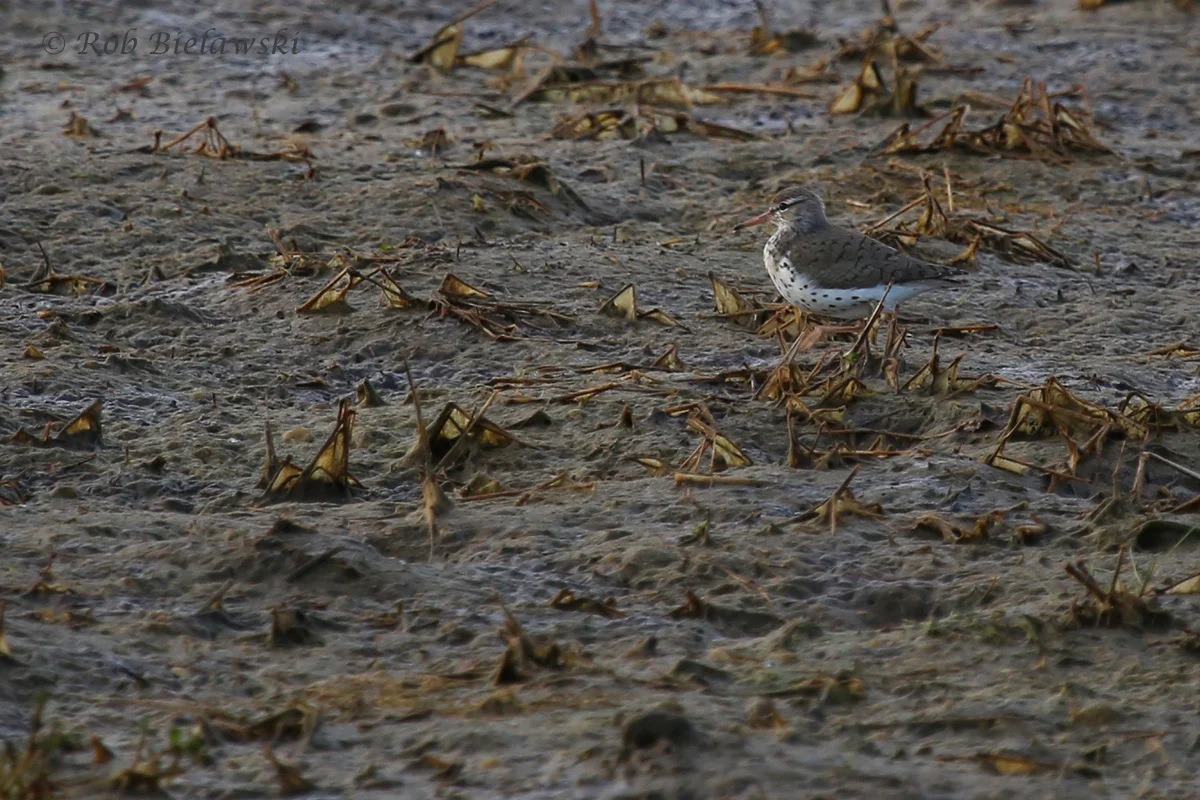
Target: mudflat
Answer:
[[641, 546]]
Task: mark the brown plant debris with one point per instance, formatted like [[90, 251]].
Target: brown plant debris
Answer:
[[213, 144], [934, 379], [367, 395], [567, 600], [1115, 607], [391, 293], [641, 122], [327, 477], [839, 505], [481, 486], [869, 93], [885, 40], [46, 281], [332, 296], [1151, 414], [953, 533], [957, 226], [527, 169], [1031, 128], [722, 616], [434, 502], [722, 452], [79, 128], [11, 493], [669, 361], [1092, 5], [503, 321], [1012, 764], [731, 305], [842, 688], [5, 648], [289, 724], [25, 773], [624, 305], [455, 435], [291, 781], [506, 57], [433, 143], [46, 583], [524, 654], [663, 92], [442, 51], [1052, 410], [290, 627], [765, 41], [83, 432], [146, 774]]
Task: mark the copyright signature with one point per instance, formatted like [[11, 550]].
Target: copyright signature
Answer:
[[54, 43]]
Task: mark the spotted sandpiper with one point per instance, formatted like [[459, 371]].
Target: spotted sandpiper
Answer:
[[834, 271]]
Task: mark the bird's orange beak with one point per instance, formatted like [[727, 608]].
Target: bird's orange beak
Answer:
[[759, 220]]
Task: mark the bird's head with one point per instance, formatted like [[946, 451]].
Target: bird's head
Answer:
[[796, 207]]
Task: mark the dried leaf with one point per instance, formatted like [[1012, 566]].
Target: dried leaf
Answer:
[[367, 396], [669, 360], [79, 128], [1186, 586], [623, 305], [291, 782], [454, 286], [442, 51], [855, 97], [655, 466], [840, 504], [733, 305], [327, 477], [454, 430], [333, 294], [567, 600], [100, 753], [506, 57], [83, 432], [1004, 764]]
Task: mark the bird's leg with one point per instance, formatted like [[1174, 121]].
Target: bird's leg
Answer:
[[815, 334]]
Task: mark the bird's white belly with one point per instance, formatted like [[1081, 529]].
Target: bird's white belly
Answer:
[[800, 290]]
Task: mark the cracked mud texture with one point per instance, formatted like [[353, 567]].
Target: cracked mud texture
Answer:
[[872, 660]]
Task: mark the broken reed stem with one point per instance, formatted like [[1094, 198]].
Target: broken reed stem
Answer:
[[862, 337], [470, 12], [1079, 572], [1191, 473], [1117, 572], [891, 217], [709, 480], [184, 136]]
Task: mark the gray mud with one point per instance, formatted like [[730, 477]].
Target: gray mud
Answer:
[[873, 660]]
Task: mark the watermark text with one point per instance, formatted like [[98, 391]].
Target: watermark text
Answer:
[[171, 43]]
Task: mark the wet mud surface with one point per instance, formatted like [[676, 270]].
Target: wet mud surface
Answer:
[[725, 638]]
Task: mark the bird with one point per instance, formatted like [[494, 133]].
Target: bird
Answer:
[[837, 272]]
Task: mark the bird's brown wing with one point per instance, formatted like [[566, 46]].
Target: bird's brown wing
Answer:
[[839, 258]]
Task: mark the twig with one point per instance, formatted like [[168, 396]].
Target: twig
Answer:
[[314, 562]]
